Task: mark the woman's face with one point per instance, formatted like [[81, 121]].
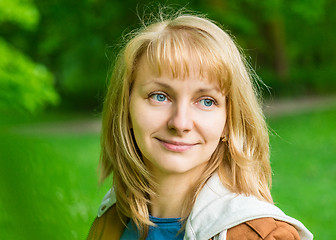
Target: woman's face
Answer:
[[177, 123]]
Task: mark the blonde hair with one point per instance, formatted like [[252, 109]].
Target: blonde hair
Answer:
[[184, 44]]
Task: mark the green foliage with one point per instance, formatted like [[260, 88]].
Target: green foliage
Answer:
[[291, 44], [25, 86], [21, 12]]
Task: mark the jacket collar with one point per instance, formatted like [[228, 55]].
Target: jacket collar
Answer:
[[218, 209]]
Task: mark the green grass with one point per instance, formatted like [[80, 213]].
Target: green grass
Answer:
[[49, 187], [303, 160], [48, 184]]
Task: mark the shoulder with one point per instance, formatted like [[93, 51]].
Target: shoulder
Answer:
[[263, 228], [107, 226]]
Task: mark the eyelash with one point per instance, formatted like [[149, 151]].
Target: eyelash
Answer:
[[152, 94], [209, 98]]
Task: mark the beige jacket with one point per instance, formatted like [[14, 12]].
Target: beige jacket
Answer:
[[217, 214], [110, 227]]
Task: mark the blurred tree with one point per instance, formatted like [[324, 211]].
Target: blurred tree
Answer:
[[258, 25], [74, 39], [25, 86], [311, 44], [291, 42]]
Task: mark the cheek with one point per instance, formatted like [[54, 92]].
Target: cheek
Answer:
[[144, 121], [144, 116], [136, 118], [136, 110], [214, 126]]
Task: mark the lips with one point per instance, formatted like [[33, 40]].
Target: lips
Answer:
[[175, 146]]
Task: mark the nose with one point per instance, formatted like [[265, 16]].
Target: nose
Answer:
[[181, 120]]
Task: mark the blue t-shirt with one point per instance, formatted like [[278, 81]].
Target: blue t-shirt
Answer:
[[165, 229]]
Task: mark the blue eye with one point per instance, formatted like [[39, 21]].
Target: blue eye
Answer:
[[207, 102], [159, 97]]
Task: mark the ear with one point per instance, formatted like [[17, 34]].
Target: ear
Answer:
[[225, 131]]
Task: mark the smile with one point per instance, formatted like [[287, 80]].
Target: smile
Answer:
[[176, 146]]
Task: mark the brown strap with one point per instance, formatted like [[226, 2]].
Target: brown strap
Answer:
[[263, 228], [107, 227]]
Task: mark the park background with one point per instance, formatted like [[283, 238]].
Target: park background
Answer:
[[54, 63]]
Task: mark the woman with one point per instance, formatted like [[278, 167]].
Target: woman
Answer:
[[185, 139]]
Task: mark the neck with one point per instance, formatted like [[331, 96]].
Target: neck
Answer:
[[172, 192]]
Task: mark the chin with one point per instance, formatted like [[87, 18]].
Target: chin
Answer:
[[180, 168]]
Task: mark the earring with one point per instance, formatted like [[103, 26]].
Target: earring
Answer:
[[224, 138]]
